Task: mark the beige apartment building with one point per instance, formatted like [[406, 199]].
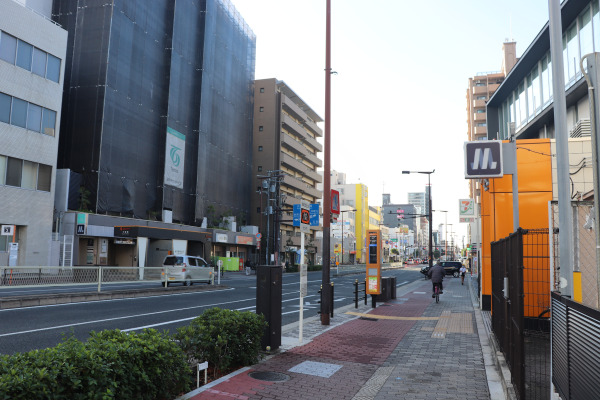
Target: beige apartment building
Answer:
[[285, 146], [481, 87]]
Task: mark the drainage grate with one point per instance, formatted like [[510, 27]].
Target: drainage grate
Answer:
[[269, 376], [368, 319]]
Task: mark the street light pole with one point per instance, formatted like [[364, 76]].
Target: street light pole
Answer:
[[429, 213]]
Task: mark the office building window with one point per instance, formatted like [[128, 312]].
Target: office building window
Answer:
[[25, 174], [34, 117], [5, 101], [260, 148], [26, 56], [14, 169], [29, 178], [53, 70], [260, 168], [262, 109], [48, 122], [39, 62], [3, 170], [24, 51], [8, 47], [258, 210], [260, 128], [262, 89], [18, 115], [44, 178]]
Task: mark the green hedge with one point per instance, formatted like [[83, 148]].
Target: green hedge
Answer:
[[227, 339], [110, 365], [148, 365]]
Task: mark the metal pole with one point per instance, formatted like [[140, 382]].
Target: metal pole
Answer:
[[342, 237], [325, 304], [565, 217], [430, 224]]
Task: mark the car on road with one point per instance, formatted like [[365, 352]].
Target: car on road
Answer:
[[451, 268], [186, 270]]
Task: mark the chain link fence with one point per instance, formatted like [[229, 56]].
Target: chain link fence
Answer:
[[584, 239]]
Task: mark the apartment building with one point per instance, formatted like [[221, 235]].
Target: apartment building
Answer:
[[285, 147], [32, 54]]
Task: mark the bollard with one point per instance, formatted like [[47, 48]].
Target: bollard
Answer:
[[356, 293], [365, 291]]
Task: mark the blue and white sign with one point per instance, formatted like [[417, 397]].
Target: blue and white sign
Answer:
[[314, 215], [296, 217], [174, 158]]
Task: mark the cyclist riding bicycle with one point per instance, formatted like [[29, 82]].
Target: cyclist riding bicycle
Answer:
[[437, 273]]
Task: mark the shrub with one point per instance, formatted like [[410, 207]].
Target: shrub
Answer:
[[225, 338], [110, 365]]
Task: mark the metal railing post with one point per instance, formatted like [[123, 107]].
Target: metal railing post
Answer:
[[99, 279], [356, 293], [365, 291], [331, 299]]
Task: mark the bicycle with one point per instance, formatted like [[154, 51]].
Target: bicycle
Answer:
[[436, 292]]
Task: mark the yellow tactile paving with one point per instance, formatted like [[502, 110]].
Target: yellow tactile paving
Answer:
[[453, 323], [373, 316]]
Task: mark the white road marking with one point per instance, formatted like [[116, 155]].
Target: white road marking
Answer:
[[121, 318]]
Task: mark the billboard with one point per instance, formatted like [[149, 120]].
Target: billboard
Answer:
[[174, 158]]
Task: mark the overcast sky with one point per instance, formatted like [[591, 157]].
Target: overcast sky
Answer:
[[398, 101]]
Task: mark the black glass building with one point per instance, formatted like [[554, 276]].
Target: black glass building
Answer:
[[157, 108]]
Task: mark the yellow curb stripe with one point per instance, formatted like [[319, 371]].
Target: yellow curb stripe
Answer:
[[393, 318]]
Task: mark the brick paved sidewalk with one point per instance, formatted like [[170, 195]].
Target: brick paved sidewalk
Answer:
[[408, 348]]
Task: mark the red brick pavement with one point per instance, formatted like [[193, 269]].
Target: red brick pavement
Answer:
[[360, 346]]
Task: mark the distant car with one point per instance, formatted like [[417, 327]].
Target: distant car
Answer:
[[187, 270], [452, 267], [424, 261]]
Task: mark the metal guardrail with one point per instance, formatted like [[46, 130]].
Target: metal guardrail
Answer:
[[23, 277]]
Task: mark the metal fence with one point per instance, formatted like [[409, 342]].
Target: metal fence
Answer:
[[584, 250], [11, 277], [521, 309], [575, 349]]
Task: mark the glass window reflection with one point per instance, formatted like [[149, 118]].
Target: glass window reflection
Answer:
[[8, 47], [24, 51]]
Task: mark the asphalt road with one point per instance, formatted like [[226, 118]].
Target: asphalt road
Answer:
[[25, 329]]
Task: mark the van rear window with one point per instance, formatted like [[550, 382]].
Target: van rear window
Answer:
[[173, 260]]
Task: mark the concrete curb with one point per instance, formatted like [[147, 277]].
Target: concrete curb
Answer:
[[496, 369], [53, 299]]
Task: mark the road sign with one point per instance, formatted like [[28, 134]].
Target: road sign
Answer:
[[314, 214], [7, 230], [335, 202], [258, 235], [301, 217], [483, 159]]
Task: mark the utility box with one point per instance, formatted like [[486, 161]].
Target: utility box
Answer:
[[268, 303]]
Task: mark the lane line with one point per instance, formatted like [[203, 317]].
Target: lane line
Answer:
[[121, 299], [120, 318]]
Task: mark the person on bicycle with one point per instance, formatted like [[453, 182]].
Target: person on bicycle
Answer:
[[437, 273], [463, 271]]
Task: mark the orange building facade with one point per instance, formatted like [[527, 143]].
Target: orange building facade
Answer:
[[535, 192]]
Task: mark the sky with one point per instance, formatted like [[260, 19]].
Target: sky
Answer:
[[398, 100]]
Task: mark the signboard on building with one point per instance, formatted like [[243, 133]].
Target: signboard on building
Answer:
[[174, 158], [466, 210], [483, 159], [7, 230]]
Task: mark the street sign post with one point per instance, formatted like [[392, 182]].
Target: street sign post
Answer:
[[483, 159]]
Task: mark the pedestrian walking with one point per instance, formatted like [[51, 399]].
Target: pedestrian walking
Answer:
[[463, 271]]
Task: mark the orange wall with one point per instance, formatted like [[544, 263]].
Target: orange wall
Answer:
[[535, 191]]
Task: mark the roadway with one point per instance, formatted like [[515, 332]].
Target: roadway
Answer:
[[28, 328]]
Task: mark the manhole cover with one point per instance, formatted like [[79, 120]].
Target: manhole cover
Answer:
[[269, 376]]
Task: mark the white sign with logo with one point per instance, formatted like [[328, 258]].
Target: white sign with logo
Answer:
[[174, 158], [13, 254], [7, 230], [466, 210]]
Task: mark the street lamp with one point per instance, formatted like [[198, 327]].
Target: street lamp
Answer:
[[342, 212], [429, 213], [445, 232]]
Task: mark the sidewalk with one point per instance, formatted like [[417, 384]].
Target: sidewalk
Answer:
[[407, 348]]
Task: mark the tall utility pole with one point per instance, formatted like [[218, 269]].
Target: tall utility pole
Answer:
[[326, 303]]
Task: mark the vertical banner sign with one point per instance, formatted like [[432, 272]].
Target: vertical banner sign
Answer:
[[466, 210], [374, 262], [174, 158]]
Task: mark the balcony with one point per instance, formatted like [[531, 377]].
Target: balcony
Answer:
[[481, 130], [314, 128], [299, 166], [298, 148], [293, 108], [479, 117], [479, 103], [297, 129], [301, 186], [480, 90]]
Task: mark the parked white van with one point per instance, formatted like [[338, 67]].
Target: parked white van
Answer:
[[187, 270]]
